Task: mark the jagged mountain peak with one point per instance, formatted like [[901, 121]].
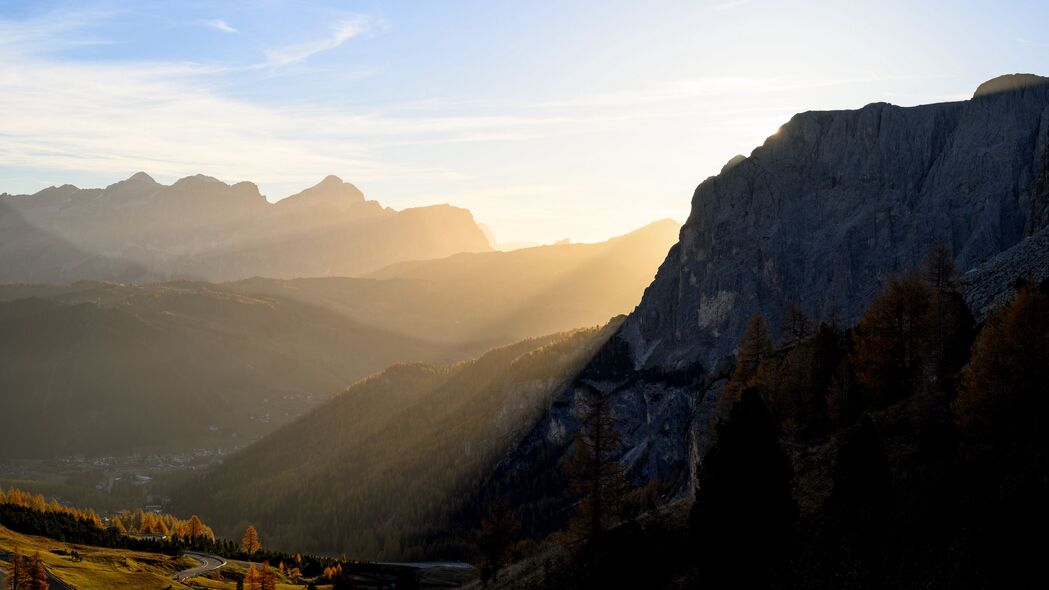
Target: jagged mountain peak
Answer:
[[332, 191]]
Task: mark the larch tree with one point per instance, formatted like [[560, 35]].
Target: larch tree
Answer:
[[596, 475], [268, 579], [892, 340], [37, 578], [250, 542], [194, 527], [17, 574], [754, 353]]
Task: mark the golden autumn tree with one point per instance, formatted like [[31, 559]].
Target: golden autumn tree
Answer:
[[194, 527], [37, 578], [268, 579], [250, 542], [253, 579]]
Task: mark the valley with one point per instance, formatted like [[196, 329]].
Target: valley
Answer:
[[833, 374]]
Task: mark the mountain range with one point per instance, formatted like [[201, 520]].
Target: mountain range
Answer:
[[819, 216], [225, 363], [203, 229]]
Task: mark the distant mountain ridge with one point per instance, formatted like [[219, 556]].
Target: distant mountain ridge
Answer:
[[202, 228]]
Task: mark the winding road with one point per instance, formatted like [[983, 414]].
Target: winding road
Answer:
[[208, 563]]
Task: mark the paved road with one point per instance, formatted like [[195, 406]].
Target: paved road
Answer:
[[208, 563]]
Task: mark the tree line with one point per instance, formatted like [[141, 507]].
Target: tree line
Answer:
[[906, 451]]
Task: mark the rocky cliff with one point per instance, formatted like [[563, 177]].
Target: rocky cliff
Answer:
[[819, 215]]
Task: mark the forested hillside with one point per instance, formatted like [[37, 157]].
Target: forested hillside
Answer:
[[99, 368], [493, 298], [908, 451], [377, 472]]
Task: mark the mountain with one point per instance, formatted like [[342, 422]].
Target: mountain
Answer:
[[385, 464], [491, 298], [818, 216], [247, 356], [98, 368], [202, 228]]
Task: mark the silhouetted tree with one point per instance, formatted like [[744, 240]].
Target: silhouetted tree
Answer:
[[744, 511], [797, 325], [892, 340], [596, 475], [755, 350], [499, 530], [858, 509]]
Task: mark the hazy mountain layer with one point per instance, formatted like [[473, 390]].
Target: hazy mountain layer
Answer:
[[202, 228], [99, 368], [371, 472], [243, 357], [493, 297]]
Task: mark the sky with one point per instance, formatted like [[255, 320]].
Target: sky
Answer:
[[547, 119]]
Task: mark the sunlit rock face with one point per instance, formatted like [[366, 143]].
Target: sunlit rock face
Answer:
[[834, 202], [819, 215]]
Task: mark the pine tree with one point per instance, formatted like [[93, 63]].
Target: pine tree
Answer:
[[250, 542], [253, 579], [744, 511], [596, 475]]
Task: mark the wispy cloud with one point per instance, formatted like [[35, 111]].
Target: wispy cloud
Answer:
[[220, 25], [344, 30], [729, 4]]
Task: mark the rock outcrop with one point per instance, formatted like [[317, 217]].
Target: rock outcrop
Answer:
[[818, 216]]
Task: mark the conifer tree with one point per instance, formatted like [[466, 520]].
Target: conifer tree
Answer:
[[37, 578], [250, 542], [17, 575], [596, 475], [268, 579], [892, 340], [755, 351], [744, 511], [498, 531], [194, 527]]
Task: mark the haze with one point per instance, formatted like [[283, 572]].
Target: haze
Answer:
[[547, 120]]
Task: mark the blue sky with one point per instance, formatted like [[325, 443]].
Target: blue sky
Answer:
[[578, 119]]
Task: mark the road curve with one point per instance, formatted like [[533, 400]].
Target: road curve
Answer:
[[208, 563]]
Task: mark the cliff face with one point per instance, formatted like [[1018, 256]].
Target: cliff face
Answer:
[[835, 201], [818, 216]]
